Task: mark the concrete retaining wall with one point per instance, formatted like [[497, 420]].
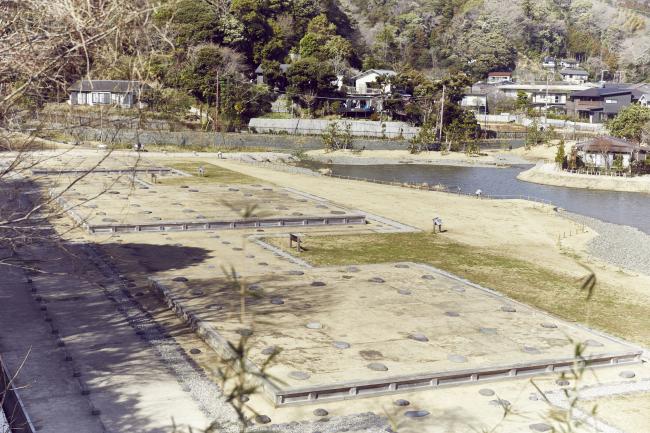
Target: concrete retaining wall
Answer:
[[358, 128], [12, 405], [523, 120], [278, 142]]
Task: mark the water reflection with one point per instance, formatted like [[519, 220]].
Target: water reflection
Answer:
[[632, 209]]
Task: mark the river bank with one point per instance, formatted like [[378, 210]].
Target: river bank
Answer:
[[615, 244], [487, 158], [516, 228], [548, 174]]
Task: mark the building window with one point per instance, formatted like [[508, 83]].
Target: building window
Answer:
[[101, 98], [611, 101]]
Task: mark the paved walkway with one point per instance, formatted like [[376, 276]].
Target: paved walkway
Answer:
[[87, 367], [45, 382]]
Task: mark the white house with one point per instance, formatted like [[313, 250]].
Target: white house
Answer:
[[122, 93], [542, 95], [601, 152], [476, 102], [499, 77], [645, 100], [363, 82], [576, 76], [569, 63], [549, 63]]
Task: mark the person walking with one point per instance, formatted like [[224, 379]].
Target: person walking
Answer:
[[479, 193], [437, 222]]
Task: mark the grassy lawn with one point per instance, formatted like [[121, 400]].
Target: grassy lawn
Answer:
[[213, 174], [609, 309]]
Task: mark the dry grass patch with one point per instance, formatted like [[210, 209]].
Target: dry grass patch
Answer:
[[213, 174], [609, 309]]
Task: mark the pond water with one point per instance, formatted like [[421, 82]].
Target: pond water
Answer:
[[632, 209]]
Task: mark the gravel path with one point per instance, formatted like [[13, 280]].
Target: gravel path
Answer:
[[364, 422], [622, 246], [194, 381]]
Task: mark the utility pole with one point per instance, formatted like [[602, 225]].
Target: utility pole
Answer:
[[216, 107], [546, 98], [442, 114]]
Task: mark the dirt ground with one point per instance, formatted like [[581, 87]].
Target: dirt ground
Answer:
[[516, 229]]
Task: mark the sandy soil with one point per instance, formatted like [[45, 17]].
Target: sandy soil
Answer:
[[489, 157], [542, 152], [371, 157], [630, 410], [548, 174], [519, 229]]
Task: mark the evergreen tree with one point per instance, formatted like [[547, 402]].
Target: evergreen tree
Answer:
[[560, 155]]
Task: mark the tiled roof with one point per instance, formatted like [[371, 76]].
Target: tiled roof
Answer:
[[571, 71], [597, 92], [608, 144], [115, 86]]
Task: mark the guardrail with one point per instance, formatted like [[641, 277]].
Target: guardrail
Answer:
[[12, 405]]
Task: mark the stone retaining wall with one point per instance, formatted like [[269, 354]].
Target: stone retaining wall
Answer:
[[358, 128], [279, 142]]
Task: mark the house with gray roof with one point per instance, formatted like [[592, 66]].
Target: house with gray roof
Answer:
[[544, 95], [600, 104], [574, 75], [259, 72], [120, 93], [549, 62], [600, 152]]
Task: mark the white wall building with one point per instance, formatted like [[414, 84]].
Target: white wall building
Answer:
[[601, 152], [121, 93], [499, 77], [553, 95], [575, 76], [645, 100], [476, 102], [549, 63], [363, 82]]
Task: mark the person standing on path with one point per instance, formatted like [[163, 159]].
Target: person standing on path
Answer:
[[437, 222]]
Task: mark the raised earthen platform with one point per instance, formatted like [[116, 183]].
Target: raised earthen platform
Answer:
[[344, 333], [126, 205]]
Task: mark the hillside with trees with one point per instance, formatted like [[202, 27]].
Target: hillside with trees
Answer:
[[481, 36], [195, 53]]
